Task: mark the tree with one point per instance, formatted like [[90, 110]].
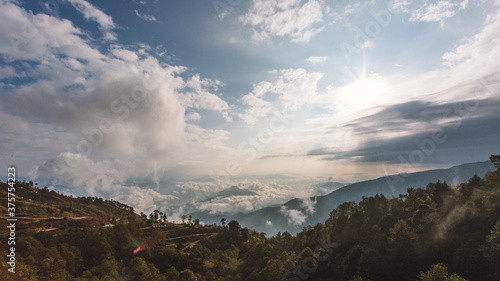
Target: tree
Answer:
[[493, 239], [438, 191], [401, 232], [467, 188], [223, 221], [186, 275], [141, 270], [234, 230], [183, 219], [495, 159], [190, 218], [172, 273], [439, 272], [156, 215], [197, 222], [492, 249]]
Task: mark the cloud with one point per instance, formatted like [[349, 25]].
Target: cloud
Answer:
[[28, 145], [267, 194], [230, 205], [374, 122], [401, 6], [429, 11], [193, 116], [258, 108], [76, 101], [206, 138], [7, 72], [317, 60], [308, 205], [367, 44], [485, 43], [109, 115], [456, 215], [125, 101], [84, 177], [402, 130], [197, 95], [146, 17], [294, 19], [438, 11], [340, 11], [124, 54], [292, 89], [261, 36], [46, 34], [295, 217], [418, 116], [92, 13], [63, 91]]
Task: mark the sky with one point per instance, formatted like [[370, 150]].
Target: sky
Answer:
[[103, 95]]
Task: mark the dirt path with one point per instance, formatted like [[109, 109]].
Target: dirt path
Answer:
[[191, 235], [47, 218], [192, 244]]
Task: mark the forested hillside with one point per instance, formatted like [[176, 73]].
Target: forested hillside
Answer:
[[442, 232], [36, 205], [389, 186]]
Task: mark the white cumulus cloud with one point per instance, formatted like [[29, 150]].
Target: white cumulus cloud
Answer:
[[146, 17], [295, 217], [293, 88], [438, 11], [85, 177], [92, 13], [295, 19], [316, 59], [121, 104], [308, 205]]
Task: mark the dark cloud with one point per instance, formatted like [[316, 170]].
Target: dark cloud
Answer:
[[280, 156], [454, 132], [324, 151], [399, 116]]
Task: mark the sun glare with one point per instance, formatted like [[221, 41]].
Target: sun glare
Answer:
[[363, 94]]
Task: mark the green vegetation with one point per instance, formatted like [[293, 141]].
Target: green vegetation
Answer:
[[440, 232], [37, 202]]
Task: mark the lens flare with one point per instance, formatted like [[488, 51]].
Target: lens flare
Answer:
[[135, 243], [140, 248]]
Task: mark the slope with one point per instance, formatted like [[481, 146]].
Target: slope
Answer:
[[292, 217]]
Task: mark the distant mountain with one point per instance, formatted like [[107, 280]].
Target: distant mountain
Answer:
[[232, 191], [273, 219], [327, 187], [268, 177], [331, 184], [206, 188]]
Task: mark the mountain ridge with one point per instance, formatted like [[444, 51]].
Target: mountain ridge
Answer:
[[273, 219]]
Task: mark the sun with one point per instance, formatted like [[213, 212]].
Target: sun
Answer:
[[363, 94]]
